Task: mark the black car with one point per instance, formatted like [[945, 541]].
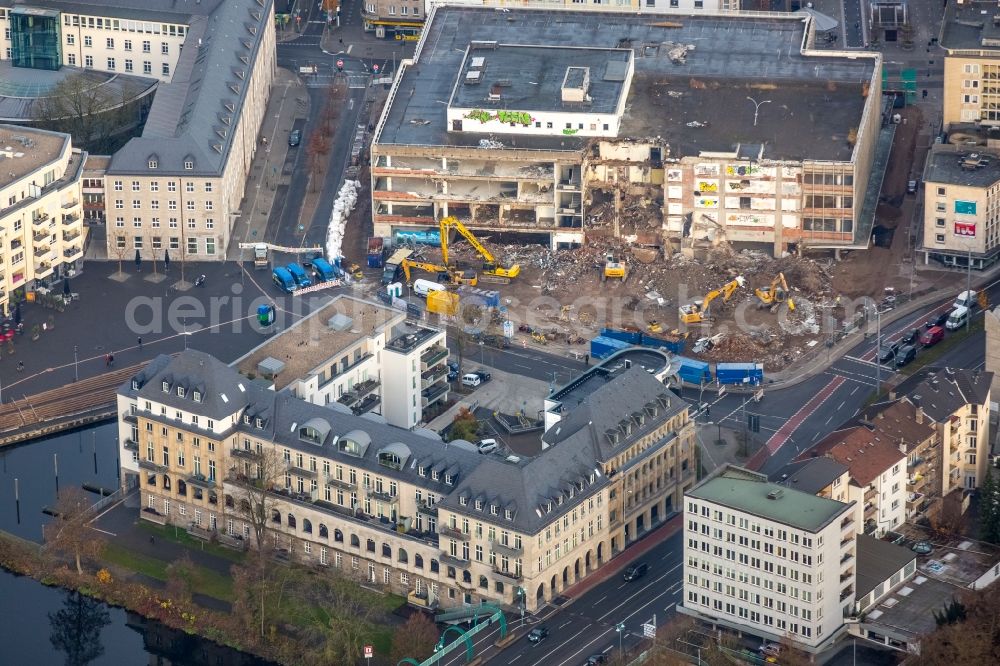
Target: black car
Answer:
[[453, 375], [887, 351], [911, 338], [595, 660], [635, 571], [295, 138], [537, 634], [937, 320], [483, 375], [905, 355]]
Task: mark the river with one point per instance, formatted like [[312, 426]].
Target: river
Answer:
[[44, 625]]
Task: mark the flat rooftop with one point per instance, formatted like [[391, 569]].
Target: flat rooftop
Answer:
[[531, 78], [23, 150], [972, 168], [576, 391], [750, 492], [408, 337], [311, 341], [970, 25], [701, 72]]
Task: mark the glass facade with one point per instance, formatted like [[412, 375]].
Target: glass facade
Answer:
[[36, 38]]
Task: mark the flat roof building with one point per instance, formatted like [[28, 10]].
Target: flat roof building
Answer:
[[528, 117]]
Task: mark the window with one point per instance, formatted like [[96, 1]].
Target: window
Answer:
[[70, 58], [939, 238], [939, 222], [188, 165], [146, 47], [110, 42], [119, 204], [137, 242], [147, 67], [192, 246], [88, 61], [88, 40], [166, 69], [164, 48], [136, 204], [70, 39], [137, 222], [128, 44]]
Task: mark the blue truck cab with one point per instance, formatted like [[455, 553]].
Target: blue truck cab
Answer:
[[281, 277], [323, 270], [299, 275]]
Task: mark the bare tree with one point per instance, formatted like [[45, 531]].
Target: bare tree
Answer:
[[119, 253], [415, 639], [83, 107], [254, 477], [70, 532]]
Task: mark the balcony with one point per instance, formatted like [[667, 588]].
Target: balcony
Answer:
[[71, 218], [370, 402], [130, 417], [433, 394], [870, 510], [506, 549], [512, 575], [380, 495], [453, 560], [870, 494], [847, 557], [131, 445], [345, 369], [302, 471], [420, 599], [42, 268], [846, 576], [453, 532], [40, 236], [153, 516], [355, 395], [70, 236], [40, 219], [847, 592], [204, 534], [913, 499], [331, 480], [151, 466], [247, 454], [847, 522], [432, 355], [431, 376], [201, 481]]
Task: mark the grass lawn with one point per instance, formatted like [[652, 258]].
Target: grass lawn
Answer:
[[206, 582], [178, 535]]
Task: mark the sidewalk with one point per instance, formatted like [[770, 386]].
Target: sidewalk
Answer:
[[269, 171]]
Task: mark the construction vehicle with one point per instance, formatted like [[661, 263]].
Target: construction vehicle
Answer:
[[776, 293], [355, 272], [654, 327], [261, 250], [394, 266], [539, 337], [697, 312], [453, 276], [613, 268], [492, 271]]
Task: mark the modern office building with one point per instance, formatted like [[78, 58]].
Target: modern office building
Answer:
[[41, 222], [179, 186], [362, 355], [435, 521], [546, 126], [764, 558]]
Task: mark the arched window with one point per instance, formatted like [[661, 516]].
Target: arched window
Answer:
[[402, 556], [484, 582], [275, 516], [418, 561], [182, 488], [229, 501], [499, 587], [323, 532], [307, 526], [166, 482], [338, 536], [291, 521], [387, 550], [435, 567], [370, 546], [355, 541], [466, 576]]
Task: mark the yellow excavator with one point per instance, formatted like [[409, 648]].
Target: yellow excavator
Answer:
[[492, 271], [697, 312], [613, 268], [778, 292], [454, 276]]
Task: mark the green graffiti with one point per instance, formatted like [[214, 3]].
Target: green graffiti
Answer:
[[570, 131], [519, 117], [480, 115]]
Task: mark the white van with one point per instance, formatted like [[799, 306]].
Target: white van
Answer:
[[471, 379], [957, 319], [424, 287], [965, 300]]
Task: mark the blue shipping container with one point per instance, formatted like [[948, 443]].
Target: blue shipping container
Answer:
[[487, 297], [631, 337], [694, 371], [674, 345], [601, 347], [739, 373]]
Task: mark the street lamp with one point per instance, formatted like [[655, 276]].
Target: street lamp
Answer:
[[520, 596], [620, 628], [756, 108], [76, 370]]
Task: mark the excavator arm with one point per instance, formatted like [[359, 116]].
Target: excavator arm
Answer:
[[430, 268], [489, 261]]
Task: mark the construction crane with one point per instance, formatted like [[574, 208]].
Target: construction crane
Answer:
[[776, 293], [494, 271], [454, 276], [697, 312], [260, 251], [613, 268]]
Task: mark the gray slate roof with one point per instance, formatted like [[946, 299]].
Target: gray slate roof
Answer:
[[877, 561], [194, 117], [169, 11], [944, 391], [810, 476]]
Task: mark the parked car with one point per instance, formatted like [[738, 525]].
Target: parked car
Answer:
[[471, 380], [771, 649], [635, 571], [932, 336], [453, 375], [295, 138], [487, 446], [483, 375], [887, 351], [537, 634], [937, 320], [911, 186], [911, 338], [905, 354], [595, 660]]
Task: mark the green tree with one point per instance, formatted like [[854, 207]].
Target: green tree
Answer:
[[954, 611], [989, 509]]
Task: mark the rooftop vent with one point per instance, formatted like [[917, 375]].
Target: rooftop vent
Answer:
[[483, 44], [340, 322], [479, 62], [473, 77], [495, 92], [775, 494], [973, 161], [576, 84]]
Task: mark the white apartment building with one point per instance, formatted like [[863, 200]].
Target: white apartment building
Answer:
[[361, 356], [764, 558], [41, 215]]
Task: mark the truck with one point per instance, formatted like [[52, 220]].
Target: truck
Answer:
[[283, 279], [323, 270], [693, 371], [260, 256], [740, 373], [299, 275], [376, 252], [394, 266], [602, 347], [443, 302]]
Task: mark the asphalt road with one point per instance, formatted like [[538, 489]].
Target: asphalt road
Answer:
[[526, 361], [586, 625]]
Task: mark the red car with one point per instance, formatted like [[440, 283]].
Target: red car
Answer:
[[932, 336]]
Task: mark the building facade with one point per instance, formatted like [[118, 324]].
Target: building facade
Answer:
[[773, 560], [41, 211], [432, 520], [523, 129]]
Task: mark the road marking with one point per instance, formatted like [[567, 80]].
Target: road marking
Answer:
[[778, 439], [667, 609], [572, 657], [565, 624], [516, 658], [544, 660], [349, 49], [601, 599], [828, 420], [641, 589], [841, 405], [855, 390]]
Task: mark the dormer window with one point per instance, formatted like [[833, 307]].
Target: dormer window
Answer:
[[508, 514], [493, 509], [197, 396], [434, 474], [166, 387], [479, 505], [188, 165], [548, 507], [449, 479], [246, 419], [152, 164], [259, 423], [591, 477], [463, 501], [135, 384], [180, 391], [421, 470]]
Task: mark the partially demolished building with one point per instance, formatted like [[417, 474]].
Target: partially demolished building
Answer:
[[556, 127]]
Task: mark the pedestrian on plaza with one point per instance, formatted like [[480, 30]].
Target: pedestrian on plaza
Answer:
[[111, 360], [20, 366], [107, 360], [140, 343]]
